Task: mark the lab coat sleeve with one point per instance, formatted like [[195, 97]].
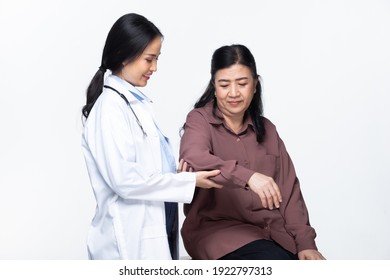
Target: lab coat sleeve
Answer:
[[112, 139]]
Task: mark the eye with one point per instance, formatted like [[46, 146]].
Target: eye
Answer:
[[223, 86], [242, 85], [150, 59]]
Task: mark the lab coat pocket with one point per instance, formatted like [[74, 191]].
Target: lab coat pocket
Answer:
[[154, 243], [267, 165]]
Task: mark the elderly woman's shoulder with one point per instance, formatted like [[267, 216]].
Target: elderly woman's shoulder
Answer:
[[206, 110], [268, 124]]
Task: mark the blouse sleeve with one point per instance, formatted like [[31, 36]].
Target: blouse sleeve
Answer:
[[293, 207], [196, 149]]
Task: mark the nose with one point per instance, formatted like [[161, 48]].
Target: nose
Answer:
[[153, 68], [234, 91]]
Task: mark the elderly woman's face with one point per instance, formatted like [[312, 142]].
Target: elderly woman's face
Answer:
[[234, 90]]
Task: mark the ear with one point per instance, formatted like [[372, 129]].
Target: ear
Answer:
[[255, 84]]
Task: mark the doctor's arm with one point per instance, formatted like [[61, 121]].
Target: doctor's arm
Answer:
[[114, 151]]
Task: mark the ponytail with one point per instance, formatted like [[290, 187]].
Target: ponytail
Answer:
[[126, 40], [94, 90]]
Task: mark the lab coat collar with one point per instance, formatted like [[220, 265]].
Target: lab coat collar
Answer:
[[125, 88]]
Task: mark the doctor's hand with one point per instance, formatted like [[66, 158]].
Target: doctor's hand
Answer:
[[266, 189], [184, 167], [203, 179]]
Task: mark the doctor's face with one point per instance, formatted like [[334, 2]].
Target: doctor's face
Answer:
[[234, 90], [139, 71]]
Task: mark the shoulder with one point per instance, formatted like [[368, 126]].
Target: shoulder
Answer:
[[109, 107], [196, 115], [268, 124], [109, 100], [272, 138], [204, 113]]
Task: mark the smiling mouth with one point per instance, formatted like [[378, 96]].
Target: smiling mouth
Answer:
[[234, 102]]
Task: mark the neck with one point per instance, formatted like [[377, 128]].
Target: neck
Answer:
[[234, 123]]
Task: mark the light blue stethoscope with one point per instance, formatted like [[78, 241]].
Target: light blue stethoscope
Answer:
[[128, 104]]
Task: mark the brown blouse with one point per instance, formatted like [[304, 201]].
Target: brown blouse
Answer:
[[219, 221]]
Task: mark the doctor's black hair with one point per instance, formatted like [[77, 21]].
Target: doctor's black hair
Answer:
[[225, 57], [126, 41]]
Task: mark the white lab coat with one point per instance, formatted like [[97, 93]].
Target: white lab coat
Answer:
[[124, 169]]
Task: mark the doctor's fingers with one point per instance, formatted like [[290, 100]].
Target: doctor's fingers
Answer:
[[187, 167], [203, 179], [209, 184], [180, 167], [184, 167]]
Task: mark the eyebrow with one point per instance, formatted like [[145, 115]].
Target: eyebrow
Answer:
[[239, 79], [152, 54]]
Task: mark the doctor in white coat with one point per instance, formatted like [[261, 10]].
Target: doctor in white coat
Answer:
[[130, 163]]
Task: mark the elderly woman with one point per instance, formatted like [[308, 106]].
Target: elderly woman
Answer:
[[260, 212]]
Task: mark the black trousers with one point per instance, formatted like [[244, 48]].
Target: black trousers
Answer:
[[172, 226], [260, 250]]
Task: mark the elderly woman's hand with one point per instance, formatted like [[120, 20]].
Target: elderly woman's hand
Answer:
[[266, 189], [310, 255]]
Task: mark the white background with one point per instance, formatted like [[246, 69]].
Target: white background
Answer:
[[325, 67]]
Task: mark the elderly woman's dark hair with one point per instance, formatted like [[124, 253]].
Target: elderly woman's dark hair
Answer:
[[225, 57], [126, 41]]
